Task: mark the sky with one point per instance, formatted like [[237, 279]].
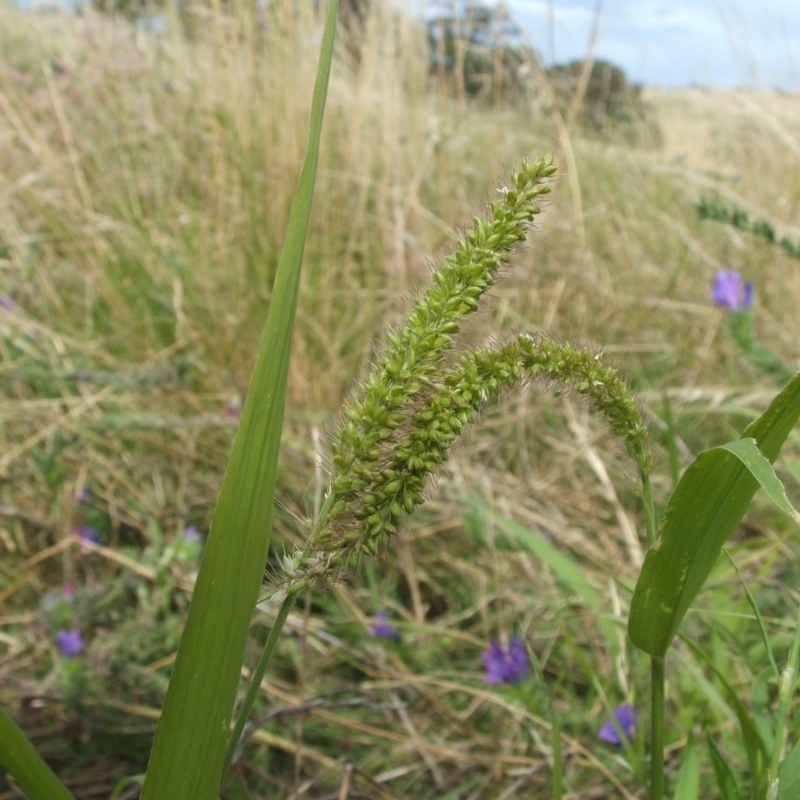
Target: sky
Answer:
[[668, 43], [672, 43]]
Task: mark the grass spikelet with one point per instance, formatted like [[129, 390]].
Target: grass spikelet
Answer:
[[416, 404]]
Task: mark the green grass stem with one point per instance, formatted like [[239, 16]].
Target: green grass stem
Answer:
[[657, 685], [255, 683], [555, 728]]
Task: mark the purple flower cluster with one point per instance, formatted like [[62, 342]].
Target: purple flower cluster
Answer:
[[506, 665], [86, 535], [380, 627], [627, 718], [191, 534], [68, 639], [61, 611], [511, 666], [730, 292], [70, 643]]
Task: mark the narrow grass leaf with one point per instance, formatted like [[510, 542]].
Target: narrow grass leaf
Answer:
[[761, 706], [125, 783], [726, 782], [187, 757], [786, 692], [20, 759], [669, 439], [564, 569], [705, 509], [789, 786], [687, 786], [555, 727], [757, 751], [762, 628]]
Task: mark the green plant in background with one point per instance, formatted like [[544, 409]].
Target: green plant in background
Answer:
[[732, 293], [736, 296], [482, 48], [739, 218], [704, 510], [612, 107]]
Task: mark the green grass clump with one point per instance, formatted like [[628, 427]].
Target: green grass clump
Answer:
[[146, 188]]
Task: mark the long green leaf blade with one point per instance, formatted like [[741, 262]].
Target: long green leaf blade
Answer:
[[726, 782], [687, 786], [26, 766], [706, 507], [789, 786], [186, 761], [762, 628], [756, 747], [564, 569]]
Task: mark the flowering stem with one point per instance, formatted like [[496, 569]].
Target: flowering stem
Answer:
[[255, 684], [657, 676], [714, 209], [263, 662], [649, 509], [741, 326], [392, 485]]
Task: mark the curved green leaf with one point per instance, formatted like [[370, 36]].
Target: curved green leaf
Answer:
[[746, 450], [757, 749], [705, 509]]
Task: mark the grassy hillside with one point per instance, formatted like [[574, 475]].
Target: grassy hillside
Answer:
[[145, 183]]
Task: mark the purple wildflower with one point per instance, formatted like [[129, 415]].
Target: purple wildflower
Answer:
[[7, 302], [191, 534], [730, 292], [66, 595], [380, 627], [87, 535], [627, 719], [505, 665], [70, 643]]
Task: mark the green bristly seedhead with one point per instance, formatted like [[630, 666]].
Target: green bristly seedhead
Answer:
[[422, 393]]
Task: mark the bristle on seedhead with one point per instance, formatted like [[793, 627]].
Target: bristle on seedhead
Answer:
[[422, 391]]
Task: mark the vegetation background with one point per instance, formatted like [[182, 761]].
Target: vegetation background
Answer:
[[145, 183]]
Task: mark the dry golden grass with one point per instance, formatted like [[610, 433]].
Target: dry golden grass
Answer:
[[145, 184]]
